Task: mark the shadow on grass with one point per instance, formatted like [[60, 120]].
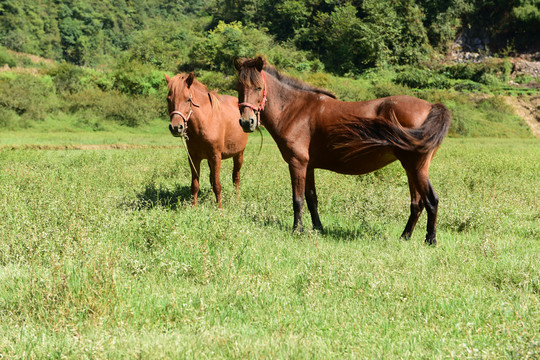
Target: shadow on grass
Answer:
[[156, 196], [363, 230]]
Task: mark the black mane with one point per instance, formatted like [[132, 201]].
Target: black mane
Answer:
[[250, 77], [295, 83]]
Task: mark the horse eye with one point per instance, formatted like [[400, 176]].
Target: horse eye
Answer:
[[258, 89]]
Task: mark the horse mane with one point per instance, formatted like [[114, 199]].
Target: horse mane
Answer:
[[249, 77], [213, 96]]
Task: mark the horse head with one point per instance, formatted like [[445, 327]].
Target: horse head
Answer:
[[180, 102], [251, 91]]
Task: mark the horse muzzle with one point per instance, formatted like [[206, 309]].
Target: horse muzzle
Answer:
[[177, 131], [249, 125]]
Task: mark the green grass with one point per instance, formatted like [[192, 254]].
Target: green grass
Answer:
[[101, 256]]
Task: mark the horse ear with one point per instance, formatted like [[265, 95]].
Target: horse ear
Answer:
[[238, 63], [259, 63], [167, 78], [190, 79]]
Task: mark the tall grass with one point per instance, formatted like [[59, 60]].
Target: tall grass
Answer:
[[101, 256]]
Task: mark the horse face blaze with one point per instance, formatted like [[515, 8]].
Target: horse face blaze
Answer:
[[177, 126], [248, 116]]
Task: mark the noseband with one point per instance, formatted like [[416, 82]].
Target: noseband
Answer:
[[258, 109], [185, 118]]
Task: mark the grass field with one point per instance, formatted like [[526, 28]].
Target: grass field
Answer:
[[101, 256]]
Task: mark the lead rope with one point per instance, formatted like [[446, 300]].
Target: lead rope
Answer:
[[184, 135], [189, 156]]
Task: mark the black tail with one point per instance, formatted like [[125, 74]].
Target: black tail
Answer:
[[356, 136]]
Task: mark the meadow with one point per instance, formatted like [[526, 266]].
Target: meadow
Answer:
[[102, 256]]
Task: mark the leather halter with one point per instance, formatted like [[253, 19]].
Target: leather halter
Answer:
[[258, 109], [185, 118]]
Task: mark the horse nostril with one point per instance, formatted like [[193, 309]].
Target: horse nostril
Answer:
[[252, 121]]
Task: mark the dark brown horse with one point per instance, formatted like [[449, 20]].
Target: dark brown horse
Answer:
[[314, 130], [210, 124]]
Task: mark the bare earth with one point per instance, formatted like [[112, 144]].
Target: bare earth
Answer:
[[527, 108]]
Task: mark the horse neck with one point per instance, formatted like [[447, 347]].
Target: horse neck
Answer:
[[279, 98]]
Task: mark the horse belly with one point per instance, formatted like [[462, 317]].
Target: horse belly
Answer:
[[362, 163]]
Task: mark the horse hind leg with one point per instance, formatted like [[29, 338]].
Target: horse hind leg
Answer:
[[417, 206], [419, 179], [432, 204]]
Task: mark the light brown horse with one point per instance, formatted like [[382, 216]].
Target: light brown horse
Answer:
[[314, 130], [210, 124]]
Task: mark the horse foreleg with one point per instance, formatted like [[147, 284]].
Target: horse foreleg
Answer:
[[238, 160], [215, 168], [311, 199], [298, 181], [195, 171]]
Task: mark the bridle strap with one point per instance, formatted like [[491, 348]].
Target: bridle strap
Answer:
[[185, 118]]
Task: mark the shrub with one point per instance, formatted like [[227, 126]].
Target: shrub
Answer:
[[469, 86], [414, 77], [6, 58], [29, 96], [134, 78], [11, 121], [387, 89], [114, 106], [224, 84], [501, 69]]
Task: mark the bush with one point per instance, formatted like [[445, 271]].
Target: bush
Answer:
[[69, 78], [218, 81], [28, 96], [6, 58], [480, 72], [421, 78], [387, 89], [114, 106], [9, 120], [469, 86], [134, 78]]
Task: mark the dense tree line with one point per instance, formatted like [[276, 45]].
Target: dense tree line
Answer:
[[344, 36]]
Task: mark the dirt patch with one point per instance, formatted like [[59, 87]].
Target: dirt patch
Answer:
[[528, 108]]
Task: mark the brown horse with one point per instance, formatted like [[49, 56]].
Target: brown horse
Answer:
[[210, 124], [314, 130]]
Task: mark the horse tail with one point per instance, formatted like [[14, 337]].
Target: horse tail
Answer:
[[432, 132], [358, 136]]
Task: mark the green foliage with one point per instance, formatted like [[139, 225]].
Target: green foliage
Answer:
[[6, 58], [96, 105], [414, 77], [132, 77], [32, 98], [226, 42], [345, 37]]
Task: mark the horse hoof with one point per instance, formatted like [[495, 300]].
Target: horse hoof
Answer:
[[431, 242], [405, 237]]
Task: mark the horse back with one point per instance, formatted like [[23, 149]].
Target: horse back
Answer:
[[408, 111]]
